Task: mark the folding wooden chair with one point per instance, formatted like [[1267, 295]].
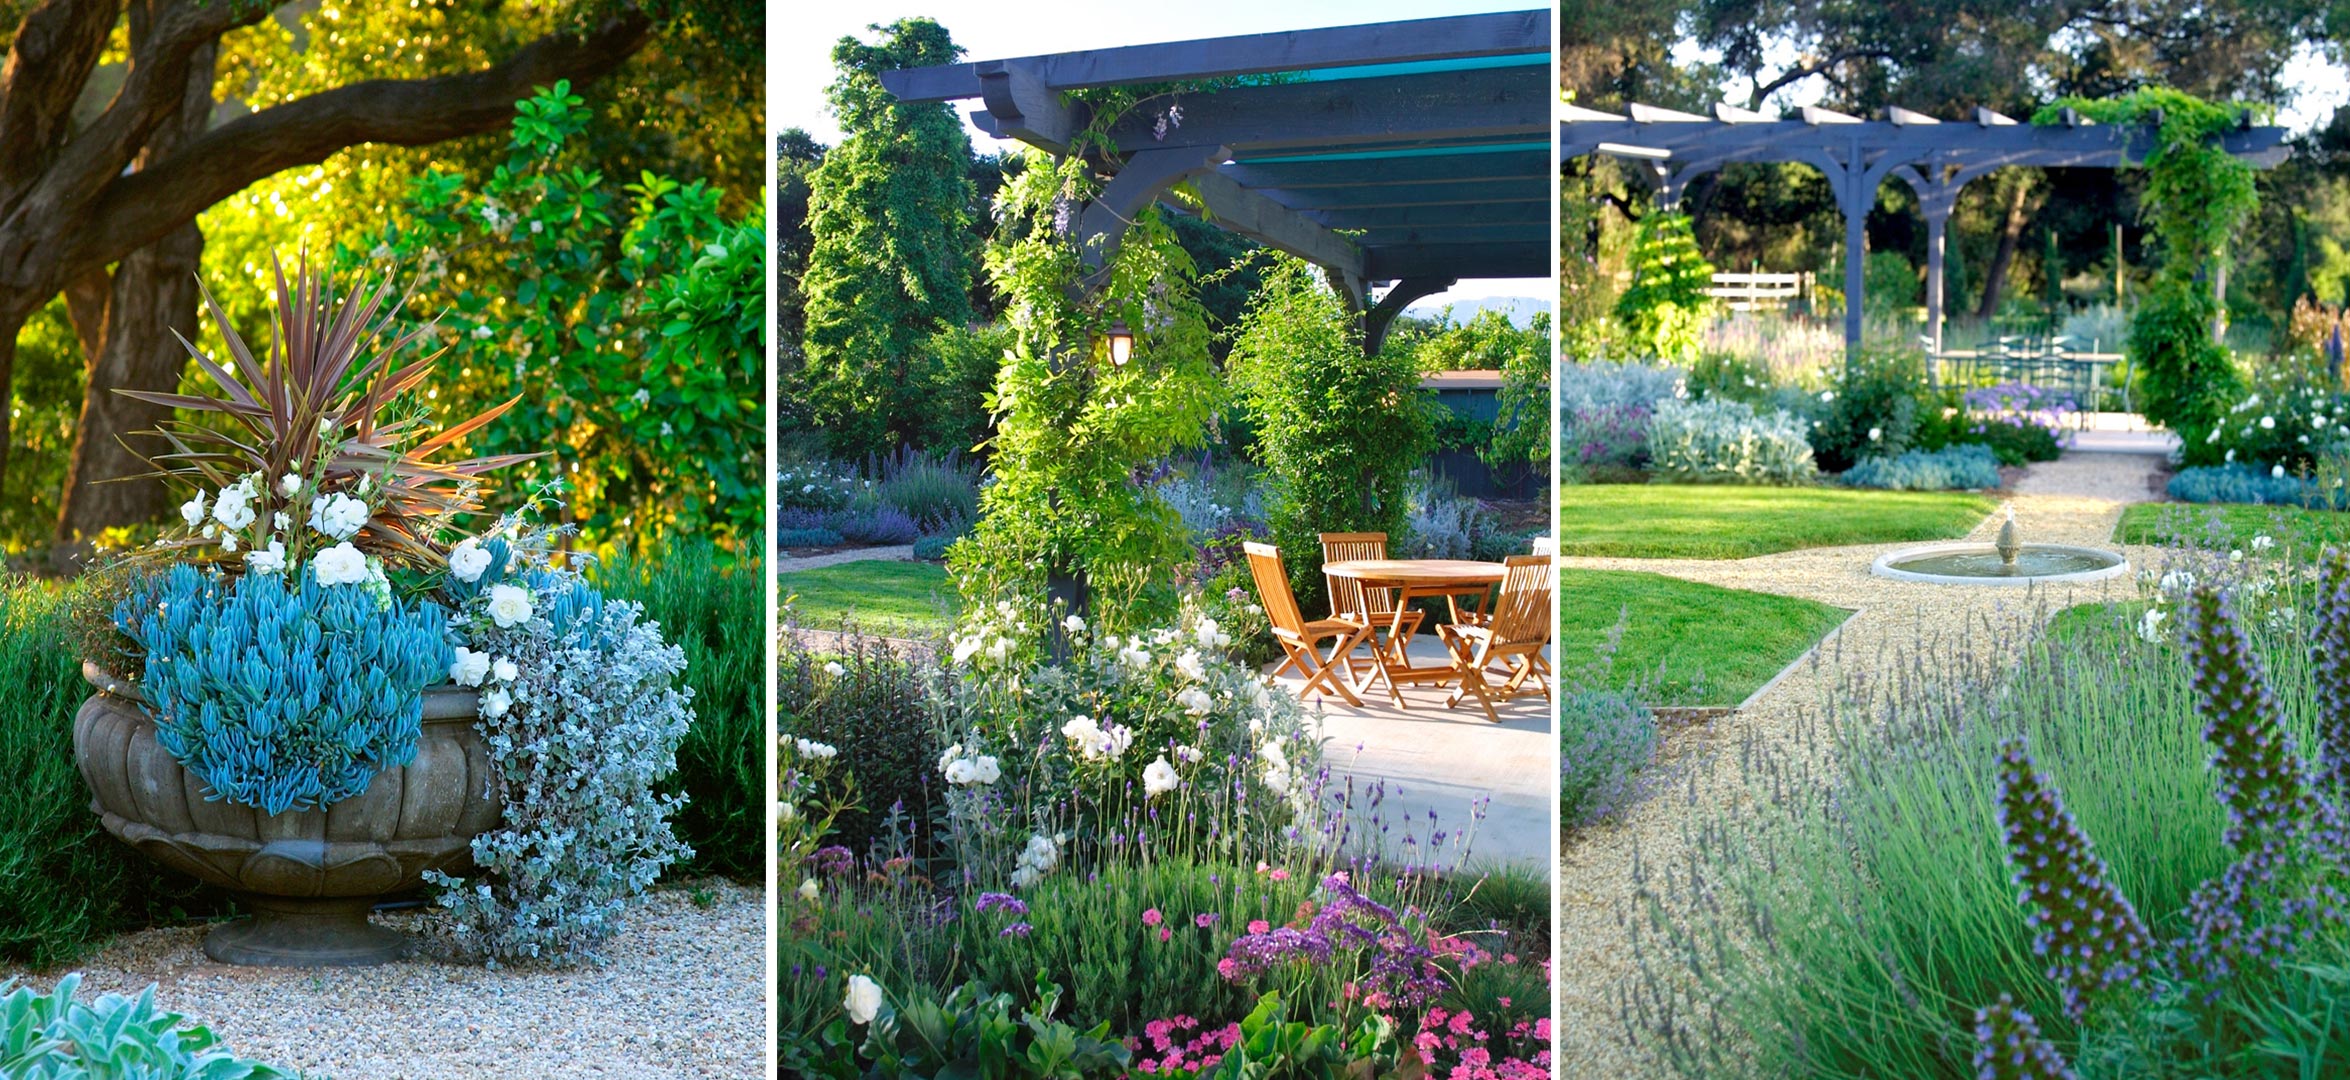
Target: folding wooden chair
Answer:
[[1546, 545], [1352, 601], [1299, 638], [1515, 636]]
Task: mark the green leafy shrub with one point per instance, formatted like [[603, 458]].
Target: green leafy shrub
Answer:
[[2290, 419], [1967, 467], [338, 698], [64, 884], [54, 1037], [1340, 432], [715, 612], [631, 315], [919, 1038], [874, 709], [1665, 309], [1872, 411], [1726, 442]]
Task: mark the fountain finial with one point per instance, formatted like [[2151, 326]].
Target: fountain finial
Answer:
[[2008, 545]]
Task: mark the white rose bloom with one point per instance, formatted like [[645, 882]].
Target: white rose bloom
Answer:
[[341, 564], [808, 889], [864, 999], [1074, 624], [503, 670], [495, 703], [1876, 434], [2263, 542], [469, 667], [1195, 701], [998, 649], [1158, 778], [509, 606], [961, 772], [786, 813], [988, 769], [468, 561], [968, 647], [289, 484], [833, 668], [337, 516], [233, 509], [814, 749], [2277, 471], [192, 511], [1191, 665], [2150, 626], [269, 561], [2268, 423]]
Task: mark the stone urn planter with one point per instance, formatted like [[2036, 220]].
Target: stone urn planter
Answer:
[[309, 877]]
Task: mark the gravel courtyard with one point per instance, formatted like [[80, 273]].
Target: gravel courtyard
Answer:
[[683, 997]]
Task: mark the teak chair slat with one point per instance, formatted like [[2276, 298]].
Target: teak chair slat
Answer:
[[1515, 634], [1352, 601], [1299, 638]]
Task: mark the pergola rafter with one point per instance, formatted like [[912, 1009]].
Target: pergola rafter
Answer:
[[1935, 158], [1410, 151]]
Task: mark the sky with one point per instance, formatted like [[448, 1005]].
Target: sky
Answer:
[[799, 54]]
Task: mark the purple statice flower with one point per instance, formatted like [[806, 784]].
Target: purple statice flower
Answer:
[[989, 901], [1018, 929], [1255, 954], [2008, 1046], [2086, 930]]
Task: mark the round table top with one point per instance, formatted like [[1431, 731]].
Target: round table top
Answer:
[[1418, 571]]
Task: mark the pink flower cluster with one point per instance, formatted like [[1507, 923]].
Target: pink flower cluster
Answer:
[[1180, 1043], [1455, 1036]]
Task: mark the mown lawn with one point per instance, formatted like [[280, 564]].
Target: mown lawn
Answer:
[[1684, 643], [2231, 524], [888, 597], [1703, 521]]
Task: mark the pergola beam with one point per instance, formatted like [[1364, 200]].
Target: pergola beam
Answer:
[[1476, 192], [1456, 37], [1252, 215], [1378, 172], [1476, 213], [1515, 259], [1488, 104], [1022, 107]]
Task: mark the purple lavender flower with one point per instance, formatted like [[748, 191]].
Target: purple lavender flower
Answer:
[[2087, 931], [1255, 954], [2008, 1046]]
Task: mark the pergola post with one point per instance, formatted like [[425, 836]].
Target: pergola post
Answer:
[[1382, 315]]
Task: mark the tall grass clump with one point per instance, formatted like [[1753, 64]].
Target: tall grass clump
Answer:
[[717, 615], [64, 884], [1864, 916]]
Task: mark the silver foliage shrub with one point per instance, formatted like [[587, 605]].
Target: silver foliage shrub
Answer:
[[1443, 525], [1726, 442], [596, 719], [1604, 385]]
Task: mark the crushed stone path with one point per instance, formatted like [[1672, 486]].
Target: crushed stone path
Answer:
[[894, 553], [683, 998], [2077, 499]]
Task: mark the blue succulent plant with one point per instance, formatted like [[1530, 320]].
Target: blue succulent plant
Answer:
[[283, 694]]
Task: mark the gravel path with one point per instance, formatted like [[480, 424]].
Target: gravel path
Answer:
[[2076, 499], [683, 997], [898, 553]]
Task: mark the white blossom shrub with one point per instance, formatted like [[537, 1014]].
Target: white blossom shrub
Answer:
[[1154, 743], [583, 712]]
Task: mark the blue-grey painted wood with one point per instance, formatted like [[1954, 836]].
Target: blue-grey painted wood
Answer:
[[1408, 41], [1532, 166], [1493, 104]]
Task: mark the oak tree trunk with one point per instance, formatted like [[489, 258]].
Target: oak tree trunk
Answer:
[[153, 294], [2010, 233]]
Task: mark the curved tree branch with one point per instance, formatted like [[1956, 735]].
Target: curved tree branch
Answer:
[[136, 209], [52, 55]]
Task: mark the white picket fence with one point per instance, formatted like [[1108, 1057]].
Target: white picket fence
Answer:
[[1759, 292]]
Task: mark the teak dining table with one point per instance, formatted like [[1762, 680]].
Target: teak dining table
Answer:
[[1414, 579]]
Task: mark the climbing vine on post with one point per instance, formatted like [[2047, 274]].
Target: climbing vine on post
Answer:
[[1665, 309], [2197, 196], [1073, 423]]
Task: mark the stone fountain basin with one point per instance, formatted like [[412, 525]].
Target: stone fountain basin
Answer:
[[1963, 563]]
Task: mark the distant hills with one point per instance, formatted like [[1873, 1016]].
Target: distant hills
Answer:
[[1519, 310]]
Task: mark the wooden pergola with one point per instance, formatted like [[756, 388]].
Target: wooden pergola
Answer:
[[1412, 152], [1936, 159]]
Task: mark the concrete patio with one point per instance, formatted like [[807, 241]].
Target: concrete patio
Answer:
[[1445, 760]]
